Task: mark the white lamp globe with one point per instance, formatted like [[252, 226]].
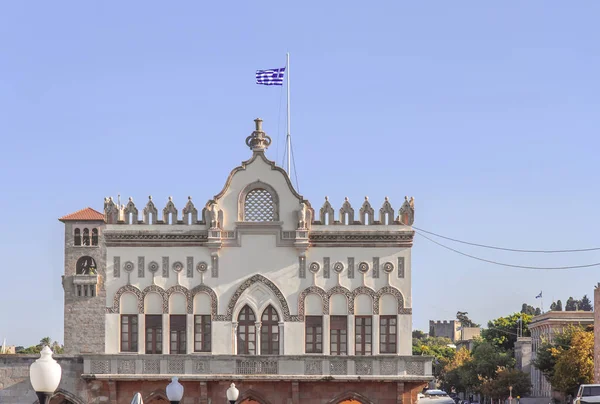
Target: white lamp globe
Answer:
[[175, 390], [45, 373], [232, 393]]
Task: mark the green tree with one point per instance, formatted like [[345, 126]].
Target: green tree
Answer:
[[528, 309], [418, 334], [459, 373], [488, 358], [571, 304], [502, 332], [538, 311], [585, 304], [45, 341], [574, 364], [559, 306], [465, 321], [498, 387], [438, 347]]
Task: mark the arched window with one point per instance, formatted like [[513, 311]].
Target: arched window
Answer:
[[94, 236], [86, 236], [259, 206], [77, 240], [246, 334], [85, 266], [269, 332]]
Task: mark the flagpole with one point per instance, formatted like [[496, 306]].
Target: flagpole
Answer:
[[289, 137]]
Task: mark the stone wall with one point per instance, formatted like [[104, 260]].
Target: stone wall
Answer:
[[446, 329], [15, 387], [597, 334], [84, 316]]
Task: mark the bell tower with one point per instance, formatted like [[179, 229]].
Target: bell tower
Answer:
[[83, 282]]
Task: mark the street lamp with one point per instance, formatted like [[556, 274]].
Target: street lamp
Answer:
[[45, 374], [174, 391], [232, 394]]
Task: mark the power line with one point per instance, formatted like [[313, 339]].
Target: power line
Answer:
[[501, 263], [507, 249]]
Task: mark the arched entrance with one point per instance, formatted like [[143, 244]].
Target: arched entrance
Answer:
[[249, 401], [350, 402]]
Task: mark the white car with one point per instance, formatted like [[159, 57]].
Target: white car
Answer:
[[434, 397], [588, 394]]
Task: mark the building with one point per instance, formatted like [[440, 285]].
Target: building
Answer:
[[597, 334], [454, 330], [542, 329], [523, 354], [255, 287]]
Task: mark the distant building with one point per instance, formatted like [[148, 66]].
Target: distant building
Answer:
[[455, 331], [543, 328], [597, 334], [523, 354]]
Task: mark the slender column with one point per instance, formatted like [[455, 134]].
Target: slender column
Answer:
[[281, 336], [326, 335], [350, 335], [141, 333], [165, 334], [375, 335], [257, 325], [234, 326], [189, 333]]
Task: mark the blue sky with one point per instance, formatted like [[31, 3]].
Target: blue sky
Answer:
[[486, 113]]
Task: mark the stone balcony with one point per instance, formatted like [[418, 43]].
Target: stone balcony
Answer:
[[228, 367]]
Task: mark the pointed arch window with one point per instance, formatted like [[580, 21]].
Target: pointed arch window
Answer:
[[246, 332], [77, 240], [269, 332], [94, 236], [86, 236]]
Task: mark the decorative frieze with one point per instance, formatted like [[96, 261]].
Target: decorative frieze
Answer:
[[400, 267], [190, 267], [301, 267], [116, 267], [257, 367], [350, 267], [326, 267], [214, 260], [176, 366], [151, 367], [126, 367], [141, 267], [101, 367], [313, 367], [363, 367], [165, 267], [338, 367], [375, 267]]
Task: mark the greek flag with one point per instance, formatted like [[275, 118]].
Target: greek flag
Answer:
[[539, 296], [270, 77]]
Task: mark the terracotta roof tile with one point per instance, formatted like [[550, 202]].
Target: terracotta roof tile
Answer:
[[87, 214]]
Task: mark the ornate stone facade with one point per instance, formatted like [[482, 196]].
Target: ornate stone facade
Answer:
[[257, 244]]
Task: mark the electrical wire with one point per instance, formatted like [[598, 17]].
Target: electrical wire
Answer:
[[507, 249], [501, 263]]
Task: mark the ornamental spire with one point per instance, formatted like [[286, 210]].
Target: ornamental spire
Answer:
[[258, 141]]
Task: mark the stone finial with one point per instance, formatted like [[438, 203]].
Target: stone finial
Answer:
[[327, 198], [258, 141], [130, 199], [149, 197], [170, 199]]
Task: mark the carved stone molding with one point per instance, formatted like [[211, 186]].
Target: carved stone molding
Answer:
[[117, 299], [163, 295], [394, 292], [316, 290], [365, 290], [343, 291], [269, 284], [360, 239]]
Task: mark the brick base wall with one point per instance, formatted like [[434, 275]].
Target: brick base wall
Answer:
[[15, 388]]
